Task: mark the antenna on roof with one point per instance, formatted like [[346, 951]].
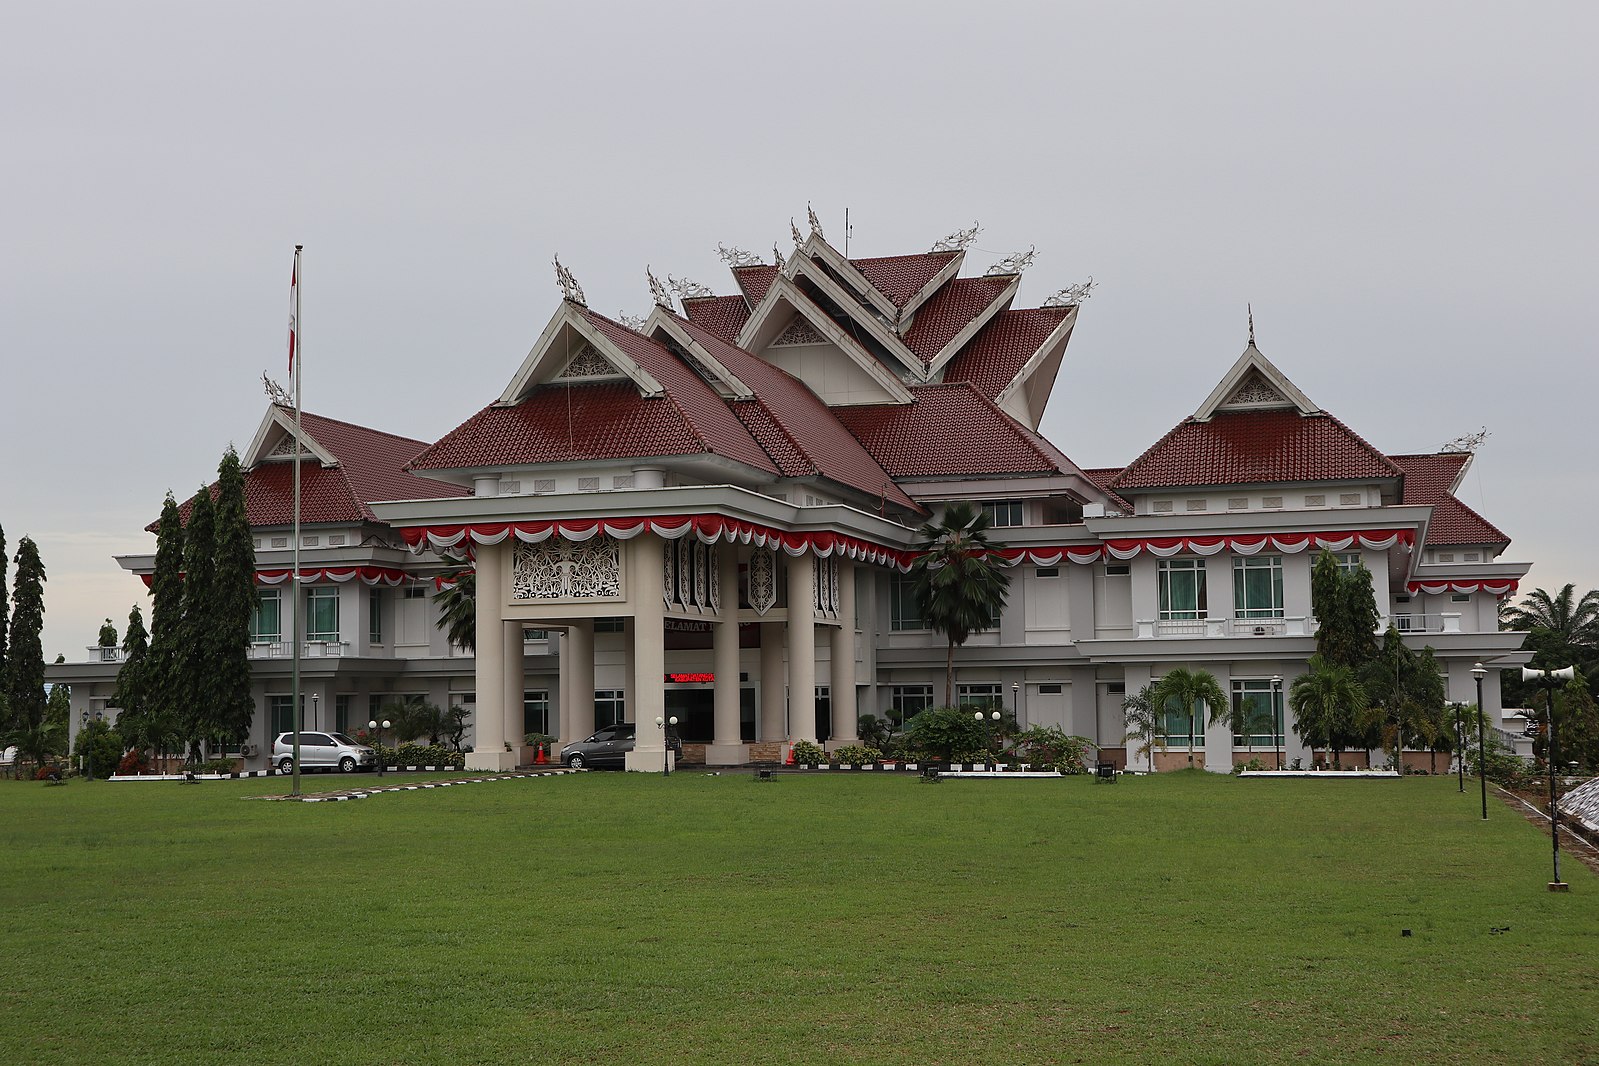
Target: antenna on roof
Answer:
[[848, 229], [1251, 324], [1466, 442]]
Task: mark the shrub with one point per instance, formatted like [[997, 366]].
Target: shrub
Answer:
[[1252, 764], [100, 743], [420, 755], [1052, 748], [857, 754], [1504, 767], [215, 766], [949, 734], [133, 762], [48, 772], [808, 754]]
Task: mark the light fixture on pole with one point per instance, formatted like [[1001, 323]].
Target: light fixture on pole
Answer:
[[1015, 702], [1277, 715], [1478, 672], [378, 728], [1549, 679], [316, 717], [666, 743]]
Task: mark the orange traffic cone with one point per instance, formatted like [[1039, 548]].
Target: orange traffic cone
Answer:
[[540, 760], [790, 760]]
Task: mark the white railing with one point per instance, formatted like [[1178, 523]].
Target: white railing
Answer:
[[1223, 627], [325, 649], [1427, 623], [101, 654], [269, 649]]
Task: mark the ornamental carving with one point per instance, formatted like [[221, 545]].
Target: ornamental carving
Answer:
[[699, 575], [1255, 390], [562, 570], [799, 331], [587, 362], [817, 593], [285, 447], [763, 580], [832, 586], [713, 564], [668, 567], [685, 572]]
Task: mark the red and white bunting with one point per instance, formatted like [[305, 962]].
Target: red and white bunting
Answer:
[[338, 575], [1492, 586]]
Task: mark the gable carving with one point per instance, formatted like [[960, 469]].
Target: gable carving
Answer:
[[1256, 391], [587, 363], [799, 331]]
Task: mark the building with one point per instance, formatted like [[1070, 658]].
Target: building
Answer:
[[706, 512]]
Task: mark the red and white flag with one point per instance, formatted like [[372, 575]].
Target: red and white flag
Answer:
[[294, 309]]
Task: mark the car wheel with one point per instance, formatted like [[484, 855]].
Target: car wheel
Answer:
[[576, 761], [347, 765], [285, 765]]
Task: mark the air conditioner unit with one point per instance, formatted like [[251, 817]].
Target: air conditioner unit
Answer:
[[250, 751], [1260, 631]]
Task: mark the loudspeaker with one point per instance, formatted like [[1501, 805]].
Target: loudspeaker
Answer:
[[1568, 674]]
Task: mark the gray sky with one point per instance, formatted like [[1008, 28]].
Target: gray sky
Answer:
[[1404, 192]]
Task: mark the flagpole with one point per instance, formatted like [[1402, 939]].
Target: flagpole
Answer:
[[294, 573]]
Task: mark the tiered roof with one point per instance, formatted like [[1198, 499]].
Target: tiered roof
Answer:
[[950, 431], [1430, 480]]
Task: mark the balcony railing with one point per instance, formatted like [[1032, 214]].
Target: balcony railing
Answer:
[[311, 649], [1427, 623], [1224, 627], [113, 654]]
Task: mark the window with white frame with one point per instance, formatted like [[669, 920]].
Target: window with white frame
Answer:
[[1258, 586], [907, 701], [536, 711], [1003, 512], [905, 606], [266, 620], [1181, 729], [1348, 562], [989, 695], [374, 616], [1182, 589], [1260, 711], [610, 707], [322, 613]]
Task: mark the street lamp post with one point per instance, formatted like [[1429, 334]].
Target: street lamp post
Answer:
[[1015, 702], [378, 728], [1478, 672], [1277, 715], [316, 718], [666, 745], [1460, 760], [989, 725], [1549, 679]]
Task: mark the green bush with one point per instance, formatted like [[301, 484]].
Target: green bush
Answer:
[[215, 766], [103, 743], [857, 755], [808, 754], [1052, 748], [1252, 764], [421, 755], [949, 734], [1504, 767]]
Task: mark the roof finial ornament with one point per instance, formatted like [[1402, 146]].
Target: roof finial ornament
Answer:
[[658, 291], [570, 289], [816, 226], [1013, 264], [736, 256], [777, 256], [632, 322], [1251, 324], [1072, 295], [794, 231], [1467, 442], [958, 241], [687, 289], [276, 392]]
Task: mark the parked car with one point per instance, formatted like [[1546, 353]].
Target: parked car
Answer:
[[322, 750], [609, 747]]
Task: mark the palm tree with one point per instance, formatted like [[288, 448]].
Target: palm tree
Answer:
[[1244, 716], [1143, 724], [1570, 620], [962, 585], [1188, 688], [457, 602], [1326, 702]]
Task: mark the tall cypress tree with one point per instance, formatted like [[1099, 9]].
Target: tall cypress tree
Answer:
[[25, 656], [133, 721], [159, 676], [232, 604], [1346, 613], [199, 590], [4, 612]]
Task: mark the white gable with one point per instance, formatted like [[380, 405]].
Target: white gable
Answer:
[[1254, 384], [274, 442], [571, 350]]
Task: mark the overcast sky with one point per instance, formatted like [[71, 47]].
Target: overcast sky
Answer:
[[1405, 192]]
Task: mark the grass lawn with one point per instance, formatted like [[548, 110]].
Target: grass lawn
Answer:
[[1184, 918]]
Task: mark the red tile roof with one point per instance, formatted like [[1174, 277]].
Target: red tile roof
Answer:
[[371, 468], [899, 277], [1102, 476], [950, 310], [1428, 481], [800, 432], [754, 280], [572, 423], [950, 431], [722, 315], [1001, 348], [1248, 447]]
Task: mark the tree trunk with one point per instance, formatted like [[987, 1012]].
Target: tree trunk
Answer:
[[949, 675]]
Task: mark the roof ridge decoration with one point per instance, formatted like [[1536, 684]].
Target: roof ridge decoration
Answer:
[[658, 291], [1072, 295], [688, 289], [958, 241], [795, 233], [632, 322], [571, 291], [737, 257], [1254, 383], [1014, 263], [816, 225], [277, 416]]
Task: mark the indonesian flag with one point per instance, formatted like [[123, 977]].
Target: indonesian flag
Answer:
[[294, 306]]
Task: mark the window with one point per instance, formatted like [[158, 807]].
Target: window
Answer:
[[535, 634], [536, 711], [1003, 512], [1258, 586], [988, 695], [266, 621], [1263, 720], [1182, 729], [905, 607], [1118, 570], [1460, 597], [908, 701], [1049, 690], [1048, 571], [341, 712], [374, 616], [610, 707], [310, 541], [608, 625], [322, 614], [1349, 562], [336, 540], [281, 710], [416, 592], [1182, 589], [588, 484]]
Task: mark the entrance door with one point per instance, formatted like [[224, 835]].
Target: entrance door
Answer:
[[695, 708]]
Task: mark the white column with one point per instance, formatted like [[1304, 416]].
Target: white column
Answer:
[[726, 747], [563, 664], [514, 684], [846, 718], [488, 720], [648, 696], [579, 649], [773, 683], [801, 648]]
